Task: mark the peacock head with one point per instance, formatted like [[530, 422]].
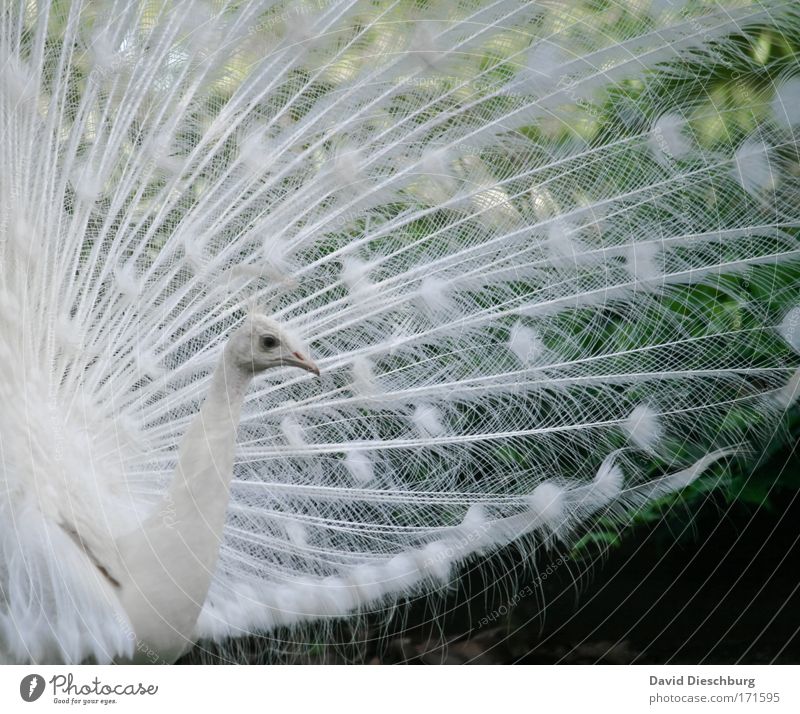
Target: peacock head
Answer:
[[261, 343]]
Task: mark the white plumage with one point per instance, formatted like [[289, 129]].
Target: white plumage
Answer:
[[524, 262], [643, 427]]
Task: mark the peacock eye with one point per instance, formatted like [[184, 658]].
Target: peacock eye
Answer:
[[269, 342]]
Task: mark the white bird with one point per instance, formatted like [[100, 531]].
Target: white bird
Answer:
[[533, 263], [163, 568]]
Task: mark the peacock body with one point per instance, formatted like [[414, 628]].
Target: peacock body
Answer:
[[543, 280]]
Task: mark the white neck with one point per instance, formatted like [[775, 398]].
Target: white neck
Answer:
[[170, 560], [199, 491]]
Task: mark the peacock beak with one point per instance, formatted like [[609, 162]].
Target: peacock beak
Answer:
[[298, 359]]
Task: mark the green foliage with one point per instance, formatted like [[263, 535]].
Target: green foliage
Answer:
[[738, 87]]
